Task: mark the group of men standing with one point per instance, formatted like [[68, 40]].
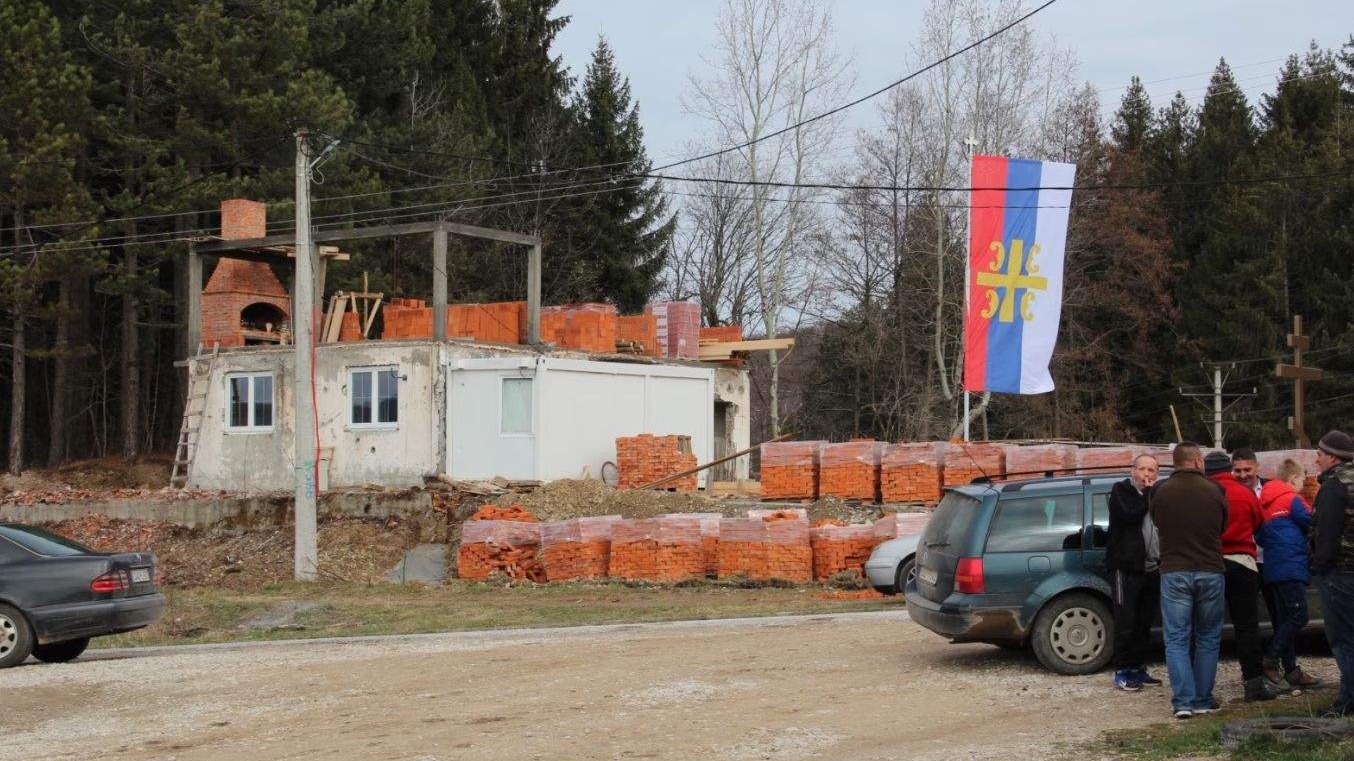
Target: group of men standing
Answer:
[[1214, 537]]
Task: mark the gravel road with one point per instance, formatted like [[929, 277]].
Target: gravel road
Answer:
[[850, 686]]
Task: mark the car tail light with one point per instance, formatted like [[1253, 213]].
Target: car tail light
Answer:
[[113, 581], [968, 576]]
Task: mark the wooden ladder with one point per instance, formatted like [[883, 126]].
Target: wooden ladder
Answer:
[[199, 383]]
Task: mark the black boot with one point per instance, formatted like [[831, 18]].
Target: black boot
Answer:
[[1258, 689]]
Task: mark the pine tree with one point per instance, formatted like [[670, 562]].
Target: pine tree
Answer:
[[1134, 120], [628, 227]]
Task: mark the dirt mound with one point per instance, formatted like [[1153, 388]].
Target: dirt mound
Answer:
[[351, 549], [564, 499]]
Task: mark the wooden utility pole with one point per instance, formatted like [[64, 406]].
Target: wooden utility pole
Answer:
[[1299, 374]]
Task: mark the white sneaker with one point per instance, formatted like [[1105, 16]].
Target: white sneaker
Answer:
[[1184, 713]]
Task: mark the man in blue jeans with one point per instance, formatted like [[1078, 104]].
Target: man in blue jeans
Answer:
[[1333, 557], [1190, 513]]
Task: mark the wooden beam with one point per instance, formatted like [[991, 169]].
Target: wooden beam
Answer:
[[1294, 372], [725, 349]]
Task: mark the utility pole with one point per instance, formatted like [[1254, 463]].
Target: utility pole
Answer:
[[1299, 374], [1218, 394], [972, 144], [303, 326]]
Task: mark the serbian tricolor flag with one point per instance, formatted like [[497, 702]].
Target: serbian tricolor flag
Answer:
[[1017, 239]]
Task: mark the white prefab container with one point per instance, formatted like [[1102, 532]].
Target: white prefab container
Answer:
[[549, 417]]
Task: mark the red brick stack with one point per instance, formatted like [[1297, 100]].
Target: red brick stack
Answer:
[[406, 318], [1097, 459], [709, 525], [722, 333], [500, 322], [790, 469], [657, 549], [773, 547], [586, 327], [640, 329], [849, 470], [1036, 459], [679, 327], [578, 548], [894, 525], [647, 458], [838, 547], [351, 328], [964, 462], [506, 540], [910, 473]]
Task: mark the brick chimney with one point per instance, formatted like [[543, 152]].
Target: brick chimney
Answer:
[[242, 294]]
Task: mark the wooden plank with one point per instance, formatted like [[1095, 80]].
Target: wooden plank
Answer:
[[764, 344], [371, 316], [1298, 373]]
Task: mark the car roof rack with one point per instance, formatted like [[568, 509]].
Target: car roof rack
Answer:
[[1039, 477]]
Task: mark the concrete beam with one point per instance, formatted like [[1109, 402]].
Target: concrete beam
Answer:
[[534, 294], [440, 283], [194, 300], [375, 231]]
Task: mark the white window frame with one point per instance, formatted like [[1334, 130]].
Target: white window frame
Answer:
[[373, 371], [250, 426], [531, 400]]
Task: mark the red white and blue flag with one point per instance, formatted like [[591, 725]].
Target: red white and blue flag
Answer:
[[1018, 212]]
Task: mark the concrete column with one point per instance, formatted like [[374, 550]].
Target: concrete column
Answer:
[[194, 301], [440, 283], [534, 295]]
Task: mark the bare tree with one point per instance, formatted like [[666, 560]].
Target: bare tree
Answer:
[[775, 65], [713, 251]]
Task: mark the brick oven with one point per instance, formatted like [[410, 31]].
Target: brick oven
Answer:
[[244, 302]]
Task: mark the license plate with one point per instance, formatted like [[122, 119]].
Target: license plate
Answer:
[[140, 575], [928, 575]]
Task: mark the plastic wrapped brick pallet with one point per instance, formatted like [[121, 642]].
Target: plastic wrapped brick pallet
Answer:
[[849, 470], [1100, 459], [577, 549], [964, 462], [657, 549], [1034, 460], [789, 469], [841, 548], [894, 525], [507, 546], [765, 548], [910, 472], [709, 528]]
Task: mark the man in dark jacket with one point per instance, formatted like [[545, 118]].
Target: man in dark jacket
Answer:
[[1243, 574], [1132, 555], [1333, 557], [1190, 514]]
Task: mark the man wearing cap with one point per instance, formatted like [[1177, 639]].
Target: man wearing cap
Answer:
[[1333, 557], [1244, 518]]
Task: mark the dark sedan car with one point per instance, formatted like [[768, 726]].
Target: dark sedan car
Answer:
[[56, 594]]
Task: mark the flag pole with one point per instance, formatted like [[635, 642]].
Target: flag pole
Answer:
[[972, 143]]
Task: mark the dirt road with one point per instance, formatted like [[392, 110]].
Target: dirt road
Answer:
[[854, 686]]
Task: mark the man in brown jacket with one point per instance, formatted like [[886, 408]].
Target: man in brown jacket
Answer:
[[1190, 513]]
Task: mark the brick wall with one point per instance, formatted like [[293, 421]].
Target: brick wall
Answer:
[[241, 218]]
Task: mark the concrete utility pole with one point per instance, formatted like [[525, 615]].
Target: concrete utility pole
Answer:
[[303, 328], [1217, 393], [1299, 374]]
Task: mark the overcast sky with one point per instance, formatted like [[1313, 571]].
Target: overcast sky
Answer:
[[658, 44]]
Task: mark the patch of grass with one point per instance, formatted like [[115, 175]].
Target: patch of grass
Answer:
[[338, 609], [1201, 737]]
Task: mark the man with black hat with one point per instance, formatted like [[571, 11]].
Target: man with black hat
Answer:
[[1244, 518], [1333, 557]]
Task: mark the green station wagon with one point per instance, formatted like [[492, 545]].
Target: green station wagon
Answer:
[[1022, 564]]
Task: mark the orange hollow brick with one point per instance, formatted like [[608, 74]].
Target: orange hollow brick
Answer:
[[646, 458], [910, 472], [789, 469]]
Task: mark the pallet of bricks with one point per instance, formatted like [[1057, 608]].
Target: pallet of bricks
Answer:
[[666, 548], [646, 458], [1107, 460], [768, 544], [961, 463], [789, 469], [503, 540], [1269, 468], [709, 529], [1031, 461], [577, 549], [849, 470], [839, 546], [910, 473]]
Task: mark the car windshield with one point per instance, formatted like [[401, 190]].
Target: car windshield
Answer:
[[42, 542], [951, 522]]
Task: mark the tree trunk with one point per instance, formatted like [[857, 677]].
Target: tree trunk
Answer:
[[17, 392], [131, 368], [61, 367]]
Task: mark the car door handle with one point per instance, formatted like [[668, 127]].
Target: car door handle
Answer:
[[1039, 564]]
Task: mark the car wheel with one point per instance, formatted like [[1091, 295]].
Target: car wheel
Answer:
[[1073, 635], [907, 574], [61, 652], [16, 637]]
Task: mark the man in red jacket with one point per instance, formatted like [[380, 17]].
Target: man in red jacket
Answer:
[[1242, 574]]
